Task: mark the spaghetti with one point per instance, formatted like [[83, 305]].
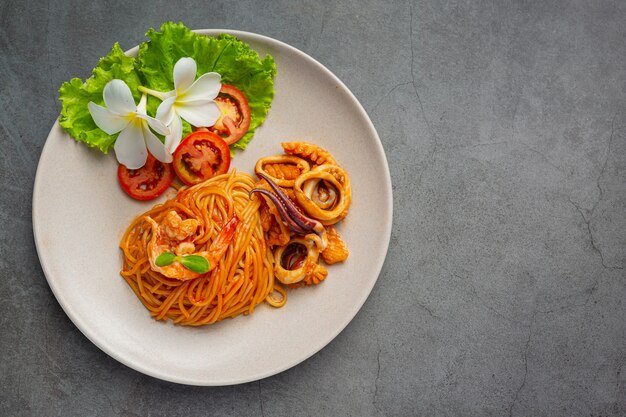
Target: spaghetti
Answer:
[[242, 278]]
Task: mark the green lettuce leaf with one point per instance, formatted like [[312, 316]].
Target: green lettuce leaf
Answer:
[[231, 58], [76, 94]]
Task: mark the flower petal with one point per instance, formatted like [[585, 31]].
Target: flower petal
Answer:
[[204, 88], [143, 102], [155, 124], [184, 74], [165, 111], [199, 113], [107, 120], [155, 146], [130, 146], [118, 98], [176, 134]]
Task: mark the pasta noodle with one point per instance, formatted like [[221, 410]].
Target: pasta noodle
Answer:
[[243, 276]]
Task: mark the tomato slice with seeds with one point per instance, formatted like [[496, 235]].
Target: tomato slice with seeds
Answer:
[[147, 182], [235, 119], [200, 156]]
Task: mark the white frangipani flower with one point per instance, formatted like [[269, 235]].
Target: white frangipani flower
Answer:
[[191, 100], [122, 115]]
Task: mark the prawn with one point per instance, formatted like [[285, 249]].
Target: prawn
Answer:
[[178, 236]]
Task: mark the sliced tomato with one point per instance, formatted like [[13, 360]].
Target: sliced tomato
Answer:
[[147, 182], [200, 156], [235, 119]]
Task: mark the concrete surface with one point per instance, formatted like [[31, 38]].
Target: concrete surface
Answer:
[[504, 288]]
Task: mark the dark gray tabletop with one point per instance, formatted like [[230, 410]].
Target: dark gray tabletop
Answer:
[[504, 289]]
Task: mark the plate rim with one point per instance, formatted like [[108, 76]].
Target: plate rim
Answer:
[[165, 376]]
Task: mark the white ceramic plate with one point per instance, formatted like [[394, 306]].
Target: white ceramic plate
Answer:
[[80, 214]]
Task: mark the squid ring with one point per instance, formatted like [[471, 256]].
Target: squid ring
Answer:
[[299, 163], [324, 193], [296, 260]]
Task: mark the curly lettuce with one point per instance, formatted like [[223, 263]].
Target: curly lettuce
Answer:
[[76, 94], [225, 54]]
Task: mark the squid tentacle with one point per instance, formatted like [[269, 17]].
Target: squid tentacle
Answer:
[[283, 210], [291, 214]]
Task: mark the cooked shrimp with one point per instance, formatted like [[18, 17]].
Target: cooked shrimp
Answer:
[[177, 235]]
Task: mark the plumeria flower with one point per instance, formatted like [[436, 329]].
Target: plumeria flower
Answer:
[[122, 115], [191, 100]]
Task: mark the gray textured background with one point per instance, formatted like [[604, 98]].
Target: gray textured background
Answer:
[[504, 288]]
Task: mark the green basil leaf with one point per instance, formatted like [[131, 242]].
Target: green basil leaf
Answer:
[[195, 263], [165, 259]]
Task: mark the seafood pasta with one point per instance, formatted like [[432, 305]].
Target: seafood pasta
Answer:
[[218, 220], [223, 246]]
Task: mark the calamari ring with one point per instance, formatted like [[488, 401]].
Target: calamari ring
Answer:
[[277, 162], [324, 193], [299, 252]]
